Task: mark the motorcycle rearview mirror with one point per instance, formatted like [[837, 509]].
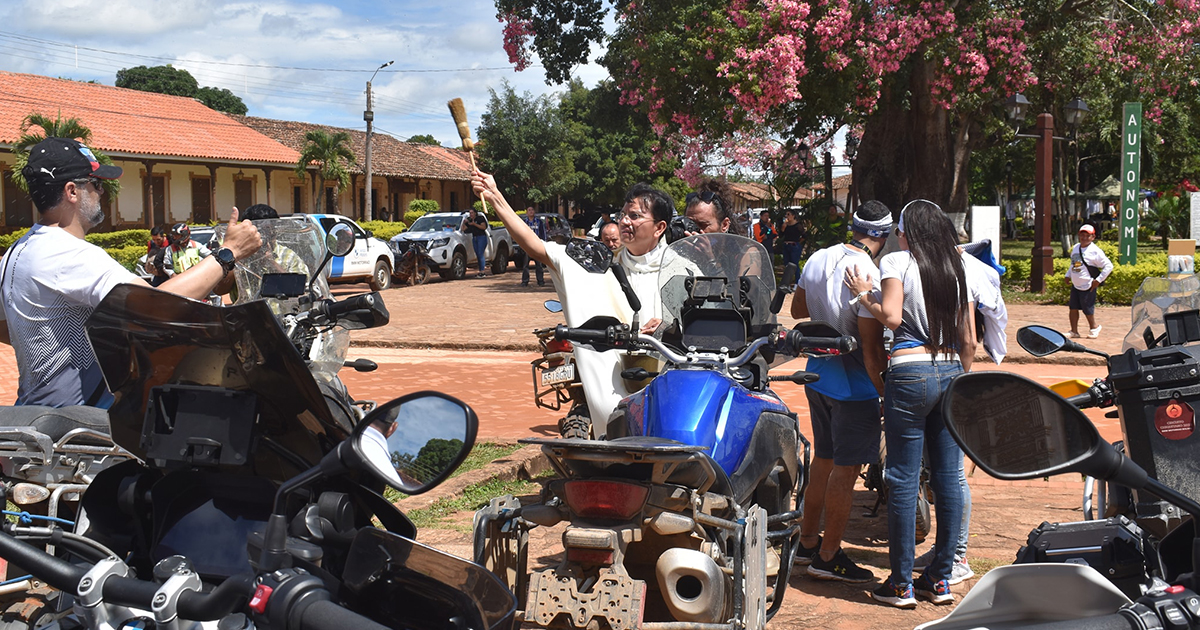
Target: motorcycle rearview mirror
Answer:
[[593, 256], [414, 442], [554, 306], [338, 242], [1014, 429], [1041, 341], [361, 365], [785, 287]]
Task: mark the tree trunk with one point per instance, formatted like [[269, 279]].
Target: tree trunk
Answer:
[[916, 150]]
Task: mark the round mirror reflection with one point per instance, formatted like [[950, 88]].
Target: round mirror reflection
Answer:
[[1040, 340], [1016, 429], [554, 306], [340, 239], [415, 441]]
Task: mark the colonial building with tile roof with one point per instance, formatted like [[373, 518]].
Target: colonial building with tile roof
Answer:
[[185, 162], [402, 171]]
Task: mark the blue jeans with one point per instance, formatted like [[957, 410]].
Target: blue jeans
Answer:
[[960, 551], [537, 267], [480, 244], [791, 253], [913, 422]]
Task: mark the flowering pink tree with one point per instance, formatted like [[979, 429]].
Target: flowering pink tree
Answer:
[[920, 78]]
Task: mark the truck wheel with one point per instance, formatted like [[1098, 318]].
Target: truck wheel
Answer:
[[458, 267], [382, 277], [500, 262]]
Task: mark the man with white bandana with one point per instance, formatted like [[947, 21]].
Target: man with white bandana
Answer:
[[844, 403]]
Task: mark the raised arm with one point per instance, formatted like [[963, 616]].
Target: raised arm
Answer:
[[485, 186]]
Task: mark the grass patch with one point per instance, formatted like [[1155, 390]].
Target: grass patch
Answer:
[[481, 455], [472, 498], [982, 565]]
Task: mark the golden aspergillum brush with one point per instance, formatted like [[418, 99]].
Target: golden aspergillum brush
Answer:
[[459, 112]]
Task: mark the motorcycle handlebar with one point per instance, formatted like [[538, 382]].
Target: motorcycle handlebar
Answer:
[[796, 341], [333, 310], [1083, 400], [581, 335], [326, 615]]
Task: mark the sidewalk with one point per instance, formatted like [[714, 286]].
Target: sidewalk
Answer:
[[495, 313]]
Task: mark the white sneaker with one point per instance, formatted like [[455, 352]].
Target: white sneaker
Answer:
[[1095, 332], [960, 571]]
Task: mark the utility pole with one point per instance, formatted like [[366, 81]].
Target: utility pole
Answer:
[[369, 116]]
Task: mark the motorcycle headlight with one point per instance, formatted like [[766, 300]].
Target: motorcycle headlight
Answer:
[[440, 242]]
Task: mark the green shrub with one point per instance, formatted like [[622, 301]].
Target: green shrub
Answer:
[[128, 255], [119, 239], [384, 229], [7, 240], [1118, 289], [424, 206]]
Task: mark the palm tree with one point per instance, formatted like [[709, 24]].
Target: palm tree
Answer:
[[328, 151], [57, 127]]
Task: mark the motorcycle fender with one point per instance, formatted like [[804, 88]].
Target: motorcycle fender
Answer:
[[1022, 594]]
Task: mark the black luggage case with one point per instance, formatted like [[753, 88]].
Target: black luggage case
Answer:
[[1112, 546]]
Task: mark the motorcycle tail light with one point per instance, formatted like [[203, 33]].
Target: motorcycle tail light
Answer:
[[605, 499], [559, 345]]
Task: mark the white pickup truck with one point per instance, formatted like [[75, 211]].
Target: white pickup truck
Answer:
[[449, 247], [370, 261]]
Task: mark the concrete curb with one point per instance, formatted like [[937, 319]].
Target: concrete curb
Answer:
[[526, 463]]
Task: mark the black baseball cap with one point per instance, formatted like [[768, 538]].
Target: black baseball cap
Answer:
[[60, 160]]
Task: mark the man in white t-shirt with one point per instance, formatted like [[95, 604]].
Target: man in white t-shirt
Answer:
[[1089, 268], [52, 279], [844, 403]]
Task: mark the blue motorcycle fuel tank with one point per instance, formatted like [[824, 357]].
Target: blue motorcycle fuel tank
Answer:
[[703, 408]]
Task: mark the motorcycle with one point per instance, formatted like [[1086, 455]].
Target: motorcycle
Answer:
[[681, 515], [556, 381], [414, 266], [249, 503], [1135, 569]]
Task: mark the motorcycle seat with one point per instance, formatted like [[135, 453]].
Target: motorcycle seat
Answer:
[[56, 422], [691, 474]]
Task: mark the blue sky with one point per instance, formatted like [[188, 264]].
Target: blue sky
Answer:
[[265, 52]]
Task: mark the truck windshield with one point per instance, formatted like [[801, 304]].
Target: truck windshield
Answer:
[[433, 224]]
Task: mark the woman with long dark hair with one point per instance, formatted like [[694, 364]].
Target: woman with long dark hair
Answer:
[[923, 297]]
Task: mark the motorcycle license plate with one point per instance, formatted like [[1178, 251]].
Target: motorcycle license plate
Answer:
[[560, 374]]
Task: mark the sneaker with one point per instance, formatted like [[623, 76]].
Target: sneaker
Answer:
[[1095, 332], [840, 568], [524, 284], [889, 594], [804, 555], [936, 592], [960, 571], [922, 561], [1073, 335]]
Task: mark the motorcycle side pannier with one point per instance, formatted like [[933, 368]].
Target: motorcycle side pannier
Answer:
[[1112, 546]]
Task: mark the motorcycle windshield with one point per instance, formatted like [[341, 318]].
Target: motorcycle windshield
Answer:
[[288, 246], [710, 278], [1155, 298], [146, 338]]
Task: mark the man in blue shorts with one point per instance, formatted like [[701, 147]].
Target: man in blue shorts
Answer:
[[844, 403]]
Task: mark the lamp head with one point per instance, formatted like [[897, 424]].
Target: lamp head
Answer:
[[1016, 106], [1076, 110]]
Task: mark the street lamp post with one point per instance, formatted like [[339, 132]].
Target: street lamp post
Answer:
[[851, 151], [1042, 254], [369, 116]]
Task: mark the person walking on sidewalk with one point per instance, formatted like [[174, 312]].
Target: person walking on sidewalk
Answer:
[[1088, 270], [844, 403]]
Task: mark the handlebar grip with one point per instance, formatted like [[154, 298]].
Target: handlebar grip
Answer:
[[333, 310], [326, 615], [634, 302], [581, 335], [797, 342], [1083, 401]]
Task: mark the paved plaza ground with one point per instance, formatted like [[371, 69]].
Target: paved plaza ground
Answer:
[[472, 339]]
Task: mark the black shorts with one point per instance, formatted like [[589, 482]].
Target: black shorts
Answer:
[[1083, 301], [846, 431]]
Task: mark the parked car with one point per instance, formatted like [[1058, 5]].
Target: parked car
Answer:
[[449, 247], [557, 230], [370, 261]]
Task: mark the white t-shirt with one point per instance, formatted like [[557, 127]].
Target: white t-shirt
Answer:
[[827, 297], [983, 285], [914, 326], [52, 281], [1078, 272]]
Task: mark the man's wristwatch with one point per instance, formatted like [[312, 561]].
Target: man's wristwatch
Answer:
[[224, 256]]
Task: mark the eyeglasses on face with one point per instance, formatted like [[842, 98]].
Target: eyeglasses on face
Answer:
[[99, 186], [633, 217]]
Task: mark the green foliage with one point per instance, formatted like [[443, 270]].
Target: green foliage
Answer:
[[418, 208], [522, 144], [1118, 289], [120, 239], [333, 157], [384, 229], [7, 240], [221, 100], [424, 138], [1169, 217], [128, 255], [160, 79]]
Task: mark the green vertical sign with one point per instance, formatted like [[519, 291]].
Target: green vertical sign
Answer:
[[1131, 181]]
